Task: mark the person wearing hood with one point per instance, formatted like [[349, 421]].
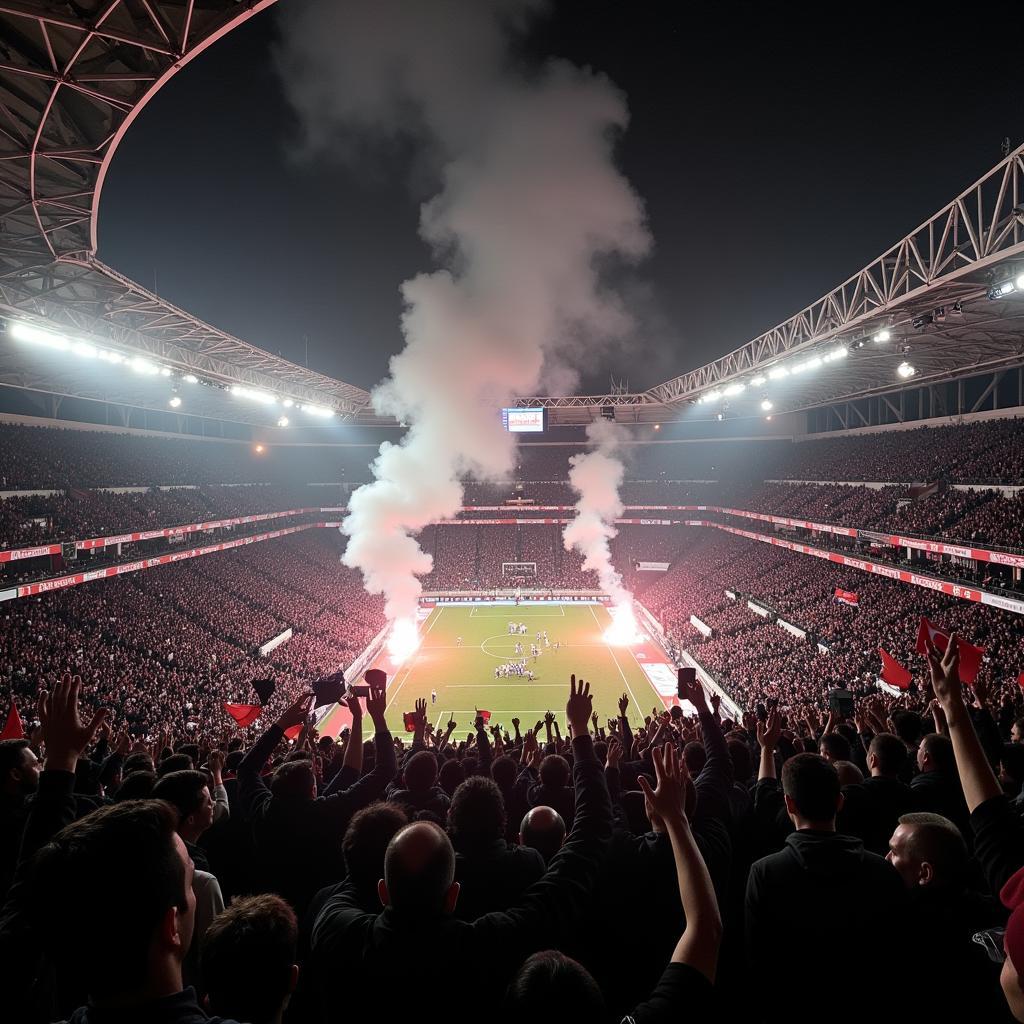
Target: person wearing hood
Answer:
[[815, 903]]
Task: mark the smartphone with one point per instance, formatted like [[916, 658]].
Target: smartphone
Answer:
[[360, 690], [409, 721], [686, 677], [761, 713], [376, 677]]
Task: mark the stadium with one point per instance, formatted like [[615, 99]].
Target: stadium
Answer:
[[210, 553]]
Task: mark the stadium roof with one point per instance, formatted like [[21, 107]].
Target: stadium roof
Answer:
[[73, 76]]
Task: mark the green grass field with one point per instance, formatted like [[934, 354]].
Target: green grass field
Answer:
[[463, 676]]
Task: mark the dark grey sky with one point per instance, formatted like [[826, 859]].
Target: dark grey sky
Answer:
[[777, 152]]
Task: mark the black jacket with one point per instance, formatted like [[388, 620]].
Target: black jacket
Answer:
[[298, 843], [181, 1008], [494, 878], [820, 900], [379, 948], [872, 810]]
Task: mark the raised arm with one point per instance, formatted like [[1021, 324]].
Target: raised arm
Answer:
[[551, 908], [699, 944]]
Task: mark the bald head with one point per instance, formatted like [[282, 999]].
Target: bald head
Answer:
[[419, 871], [543, 830]]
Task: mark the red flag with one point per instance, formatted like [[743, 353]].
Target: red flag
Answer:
[[847, 597], [893, 672], [292, 732], [13, 729], [485, 715], [243, 714], [970, 656], [1020, 680]]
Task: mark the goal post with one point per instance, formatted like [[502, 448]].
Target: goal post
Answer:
[[513, 570]]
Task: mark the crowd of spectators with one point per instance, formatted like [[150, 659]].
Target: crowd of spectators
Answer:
[[188, 876]]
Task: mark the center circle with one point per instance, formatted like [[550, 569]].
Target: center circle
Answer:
[[509, 645]]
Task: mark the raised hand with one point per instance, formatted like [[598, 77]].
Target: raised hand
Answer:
[[769, 731], [623, 705], [579, 707], [691, 690], [716, 702], [614, 755], [549, 716], [64, 733], [215, 762], [664, 803], [945, 674], [296, 713], [351, 701], [377, 703], [452, 724]]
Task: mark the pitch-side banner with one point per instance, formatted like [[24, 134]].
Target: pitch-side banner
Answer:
[[653, 566], [74, 579]]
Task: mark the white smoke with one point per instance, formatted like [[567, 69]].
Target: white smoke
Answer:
[[597, 477], [530, 203]]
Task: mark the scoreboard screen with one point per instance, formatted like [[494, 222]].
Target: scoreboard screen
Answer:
[[524, 421]]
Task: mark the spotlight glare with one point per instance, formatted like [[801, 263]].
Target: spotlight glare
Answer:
[[191, 378], [766, 405], [287, 403], [37, 336], [1019, 282], [85, 350], [140, 365], [263, 397], [906, 370], [734, 389], [777, 373], [259, 449], [882, 336], [174, 402], [758, 380], [283, 421]]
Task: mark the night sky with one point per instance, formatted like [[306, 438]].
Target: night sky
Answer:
[[777, 151]]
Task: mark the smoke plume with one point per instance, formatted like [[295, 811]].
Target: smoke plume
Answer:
[[529, 209], [597, 476]]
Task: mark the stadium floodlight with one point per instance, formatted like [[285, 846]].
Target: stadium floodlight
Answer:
[[190, 378], [263, 397], [37, 336], [287, 403], [165, 371], [85, 350], [318, 410], [840, 352], [283, 421], [808, 364], [766, 405], [757, 381], [882, 336], [1018, 282], [711, 396], [906, 370], [1004, 288], [734, 389], [720, 416], [174, 402], [111, 357], [140, 365], [776, 373]]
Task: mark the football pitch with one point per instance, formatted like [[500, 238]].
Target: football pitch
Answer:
[[463, 674]]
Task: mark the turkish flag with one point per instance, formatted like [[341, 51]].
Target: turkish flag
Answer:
[[893, 672], [485, 715], [243, 714], [970, 656], [292, 732], [13, 729]]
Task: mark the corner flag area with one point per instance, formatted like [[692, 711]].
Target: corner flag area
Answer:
[[462, 675]]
